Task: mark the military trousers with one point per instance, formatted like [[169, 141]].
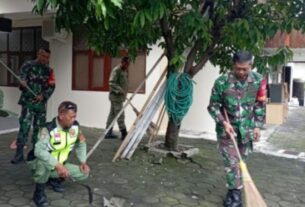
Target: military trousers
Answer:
[[42, 171], [115, 108], [231, 161], [27, 118]]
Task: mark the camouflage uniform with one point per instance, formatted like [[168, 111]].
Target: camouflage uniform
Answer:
[[36, 75], [118, 83], [245, 113]]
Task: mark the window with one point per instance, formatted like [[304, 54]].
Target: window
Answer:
[[91, 71], [17, 47]]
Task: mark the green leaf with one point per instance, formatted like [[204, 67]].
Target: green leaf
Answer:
[[142, 19], [104, 10], [117, 3], [40, 5]]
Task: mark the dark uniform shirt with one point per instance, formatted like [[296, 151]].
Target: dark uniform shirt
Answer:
[[36, 75], [239, 99]]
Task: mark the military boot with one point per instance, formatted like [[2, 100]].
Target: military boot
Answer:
[[39, 197], [31, 155], [56, 184], [233, 198], [110, 134], [123, 134], [19, 154]]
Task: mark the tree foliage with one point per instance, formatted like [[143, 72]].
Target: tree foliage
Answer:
[[191, 31]]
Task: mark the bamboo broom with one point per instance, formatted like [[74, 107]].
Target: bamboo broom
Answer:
[[253, 196]]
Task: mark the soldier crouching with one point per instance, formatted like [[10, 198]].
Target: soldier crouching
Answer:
[[55, 142]]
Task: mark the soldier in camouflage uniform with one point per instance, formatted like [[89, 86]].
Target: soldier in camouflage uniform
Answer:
[[236, 92], [37, 76], [118, 83]]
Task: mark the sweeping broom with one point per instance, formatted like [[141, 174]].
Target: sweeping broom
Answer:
[[253, 196]]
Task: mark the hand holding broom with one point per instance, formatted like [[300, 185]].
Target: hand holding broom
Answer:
[[253, 196]]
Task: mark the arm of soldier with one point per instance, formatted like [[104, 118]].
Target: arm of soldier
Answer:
[[23, 75], [259, 118], [49, 89], [113, 83], [215, 105], [81, 153], [49, 86], [42, 149]]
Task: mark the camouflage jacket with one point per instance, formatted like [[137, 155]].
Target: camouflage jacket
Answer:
[[239, 99], [36, 75], [118, 83]]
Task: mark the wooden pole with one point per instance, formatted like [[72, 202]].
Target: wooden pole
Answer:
[[149, 115], [127, 138], [159, 121]]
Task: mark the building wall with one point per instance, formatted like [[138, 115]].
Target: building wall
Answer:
[[94, 106], [197, 118], [15, 6], [298, 70]]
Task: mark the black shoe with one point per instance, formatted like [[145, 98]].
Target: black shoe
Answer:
[[233, 199], [56, 185], [18, 158], [39, 197], [123, 133], [110, 135], [31, 156]]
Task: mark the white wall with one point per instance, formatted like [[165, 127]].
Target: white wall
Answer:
[[15, 6], [11, 97], [298, 70], [93, 106], [197, 118]]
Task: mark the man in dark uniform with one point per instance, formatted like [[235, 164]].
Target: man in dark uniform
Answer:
[[36, 76], [237, 93]]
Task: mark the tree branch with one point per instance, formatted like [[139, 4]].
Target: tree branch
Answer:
[[168, 37], [207, 5], [193, 70]]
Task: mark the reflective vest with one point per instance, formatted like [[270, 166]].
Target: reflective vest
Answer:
[[62, 141]]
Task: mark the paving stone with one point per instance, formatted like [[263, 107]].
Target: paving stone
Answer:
[[171, 184], [19, 201], [60, 203], [151, 200], [169, 200], [207, 204], [286, 204], [271, 203]]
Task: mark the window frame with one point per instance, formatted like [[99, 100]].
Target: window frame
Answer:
[[106, 70], [20, 53]]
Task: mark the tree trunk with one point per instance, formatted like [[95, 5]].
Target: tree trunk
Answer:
[[171, 137]]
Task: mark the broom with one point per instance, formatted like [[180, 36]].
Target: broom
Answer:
[[253, 196]]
